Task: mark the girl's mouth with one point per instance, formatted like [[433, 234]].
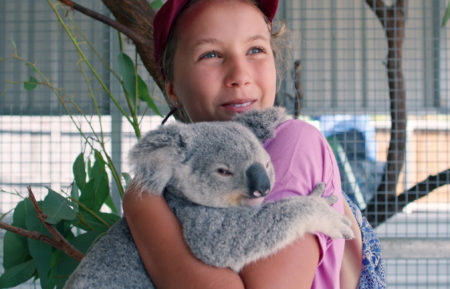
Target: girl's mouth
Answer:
[[240, 106]]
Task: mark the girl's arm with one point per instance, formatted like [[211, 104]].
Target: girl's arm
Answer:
[[170, 263], [292, 267], [166, 257]]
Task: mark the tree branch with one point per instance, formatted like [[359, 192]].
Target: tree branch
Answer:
[[57, 240], [28, 234], [377, 213], [106, 20], [135, 19], [393, 20]]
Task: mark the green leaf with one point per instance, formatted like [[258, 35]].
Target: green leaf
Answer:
[[145, 96], [15, 250], [89, 168], [57, 208], [42, 254], [156, 4], [19, 215], [126, 70], [18, 274], [33, 67], [79, 171], [97, 189], [75, 194], [85, 241], [446, 15], [31, 84], [65, 265], [92, 223], [40, 251], [110, 203], [127, 178]]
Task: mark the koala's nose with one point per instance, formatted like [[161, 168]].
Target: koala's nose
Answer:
[[258, 181]]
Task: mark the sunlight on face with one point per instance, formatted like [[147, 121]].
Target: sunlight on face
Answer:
[[224, 62]]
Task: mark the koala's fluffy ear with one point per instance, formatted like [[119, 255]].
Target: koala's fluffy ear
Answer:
[[155, 156], [262, 122]]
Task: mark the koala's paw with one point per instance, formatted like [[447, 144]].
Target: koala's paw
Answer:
[[332, 223], [318, 191], [340, 228]]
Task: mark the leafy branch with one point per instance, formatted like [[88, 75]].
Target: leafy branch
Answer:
[[57, 240], [48, 238]]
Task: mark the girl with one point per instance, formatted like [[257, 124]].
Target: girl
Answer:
[[218, 59]]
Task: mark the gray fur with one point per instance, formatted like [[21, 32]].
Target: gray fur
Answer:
[[223, 223]]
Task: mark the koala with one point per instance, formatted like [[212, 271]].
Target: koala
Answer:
[[214, 176]]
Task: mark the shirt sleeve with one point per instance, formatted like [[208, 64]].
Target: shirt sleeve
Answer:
[[302, 158]]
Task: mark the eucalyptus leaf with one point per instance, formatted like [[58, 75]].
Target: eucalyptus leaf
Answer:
[[446, 15], [126, 70], [40, 252], [89, 168], [127, 178], [31, 84], [18, 274], [110, 203], [156, 4], [75, 194], [92, 223], [33, 67], [79, 171], [97, 189], [86, 240], [19, 215], [145, 96], [57, 208], [15, 250], [65, 265]]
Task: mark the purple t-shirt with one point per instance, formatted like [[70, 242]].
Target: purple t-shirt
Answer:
[[302, 158]]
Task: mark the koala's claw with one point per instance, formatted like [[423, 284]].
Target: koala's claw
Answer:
[[335, 225], [318, 191]]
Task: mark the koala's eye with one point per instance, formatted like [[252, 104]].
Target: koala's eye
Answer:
[[224, 172], [267, 165]]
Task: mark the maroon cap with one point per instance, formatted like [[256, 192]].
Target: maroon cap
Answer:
[[166, 15]]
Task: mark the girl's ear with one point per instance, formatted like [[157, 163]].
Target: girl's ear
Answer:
[[170, 92]]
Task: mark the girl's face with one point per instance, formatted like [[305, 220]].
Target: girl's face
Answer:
[[223, 63]]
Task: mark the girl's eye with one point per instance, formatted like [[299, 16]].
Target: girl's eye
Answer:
[[224, 172], [209, 54], [256, 50]]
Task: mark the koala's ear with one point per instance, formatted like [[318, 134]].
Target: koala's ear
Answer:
[[155, 156], [262, 122]]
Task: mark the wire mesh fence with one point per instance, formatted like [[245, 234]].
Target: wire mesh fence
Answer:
[[342, 82], [350, 88]]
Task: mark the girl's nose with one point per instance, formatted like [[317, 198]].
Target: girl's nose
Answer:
[[237, 73]]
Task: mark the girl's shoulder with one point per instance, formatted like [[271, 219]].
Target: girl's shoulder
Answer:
[[298, 132]]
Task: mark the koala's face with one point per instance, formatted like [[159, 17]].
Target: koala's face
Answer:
[[225, 166]]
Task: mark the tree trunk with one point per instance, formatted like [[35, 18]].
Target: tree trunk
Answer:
[[393, 19]]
